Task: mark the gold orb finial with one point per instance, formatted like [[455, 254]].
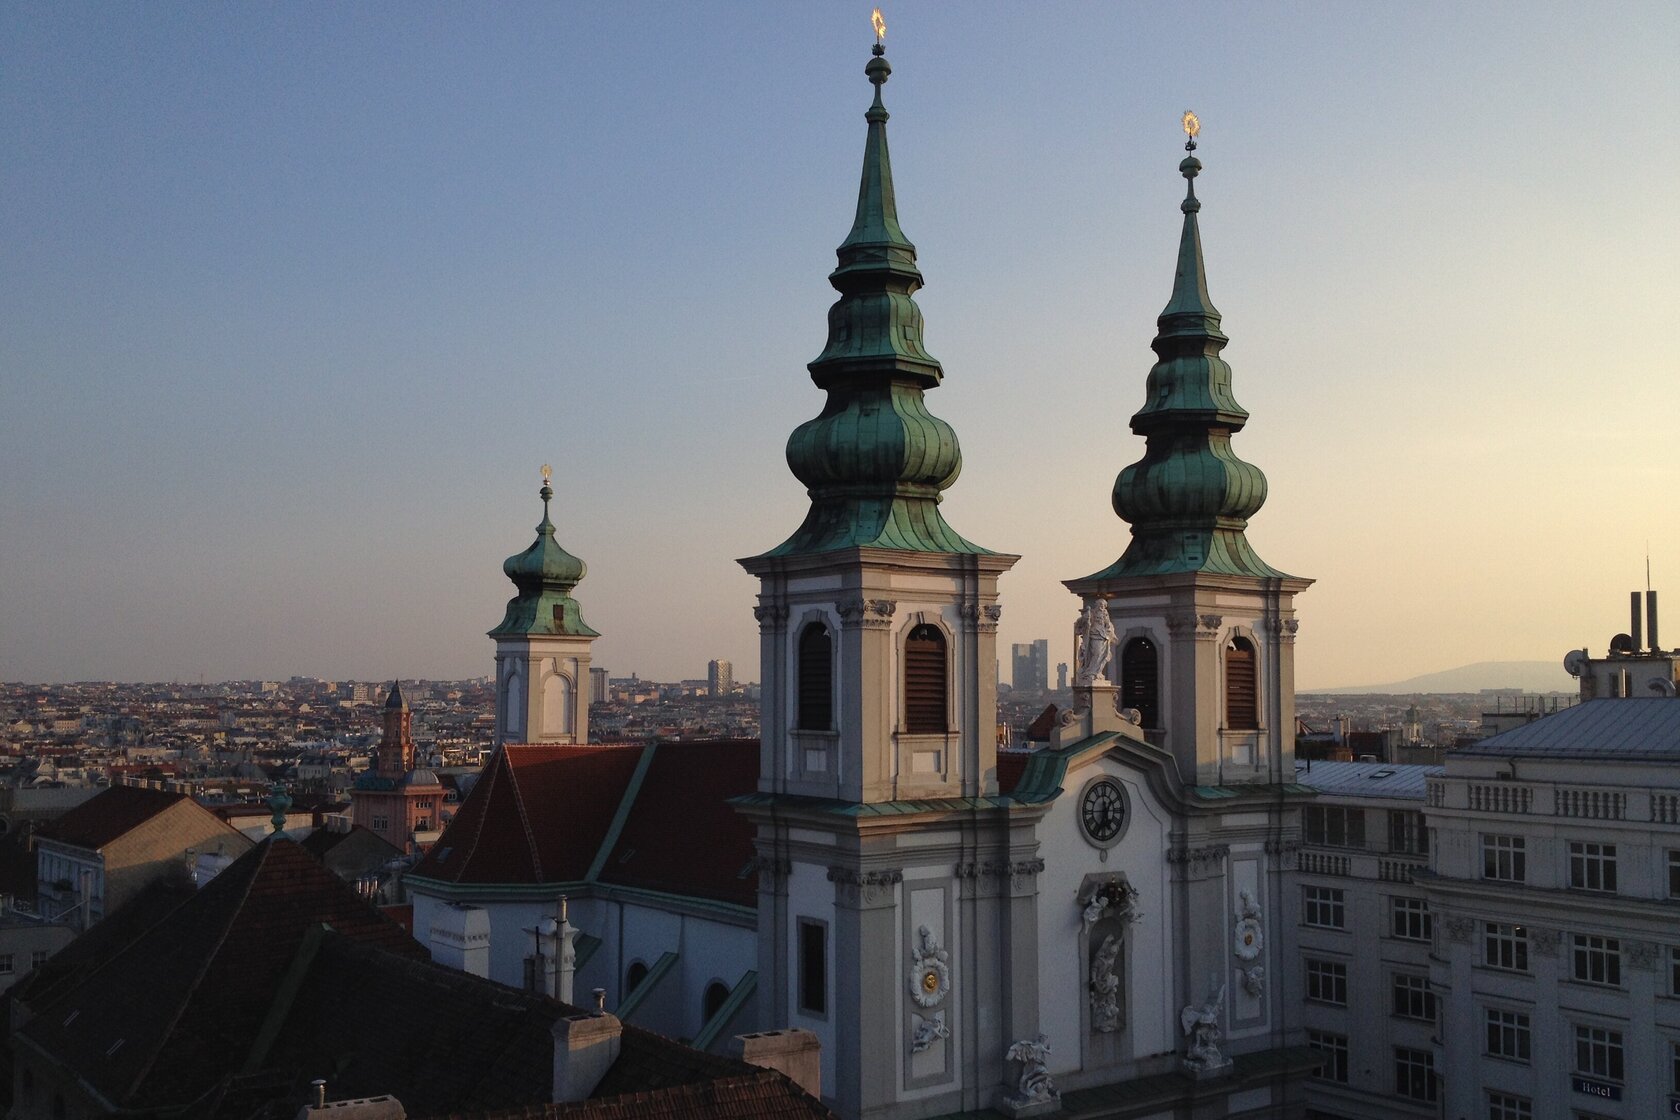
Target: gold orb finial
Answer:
[[547, 472], [879, 24], [1192, 124]]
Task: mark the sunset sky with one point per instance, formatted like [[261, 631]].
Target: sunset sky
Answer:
[[296, 299]]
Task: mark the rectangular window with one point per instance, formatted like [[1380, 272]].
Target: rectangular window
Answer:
[[1592, 867], [1324, 907], [1414, 1074], [1413, 998], [1598, 960], [1327, 982], [1334, 1048], [5, 964], [1334, 827], [1505, 946], [1674, 1063], [1505, 859], [1407, 834], [1507, 1035], [38, 958], [1674, 874], [1598, 1052], [1507, 1106], [381, 824], [1410, 919], [1674, 970], [813, 967]]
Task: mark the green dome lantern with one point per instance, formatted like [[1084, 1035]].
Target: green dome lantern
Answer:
[[1189, 498], [876, 460], [545, 574]]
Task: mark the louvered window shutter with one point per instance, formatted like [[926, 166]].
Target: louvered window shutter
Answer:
[[924, 681], [1242, 707]]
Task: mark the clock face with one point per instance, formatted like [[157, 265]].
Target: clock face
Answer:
[[1102, 811]]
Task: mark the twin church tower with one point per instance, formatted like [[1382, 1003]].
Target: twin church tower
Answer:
[[910, 888]]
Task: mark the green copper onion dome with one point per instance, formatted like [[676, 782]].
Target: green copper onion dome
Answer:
[[876, 460], [545, 574], [1189, 498]]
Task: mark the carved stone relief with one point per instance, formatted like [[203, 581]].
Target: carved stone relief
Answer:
[[1248, 939], [1105, 987], [1458, 927], [930, 969], [864, 888]]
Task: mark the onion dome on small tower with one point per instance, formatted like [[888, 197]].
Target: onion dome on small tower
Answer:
[[545, 574], [875, 461], [1189, 498]]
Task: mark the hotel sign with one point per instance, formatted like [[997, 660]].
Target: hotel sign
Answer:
[[1600, 1089]]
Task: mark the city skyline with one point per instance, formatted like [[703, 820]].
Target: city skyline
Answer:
[[301, 299]]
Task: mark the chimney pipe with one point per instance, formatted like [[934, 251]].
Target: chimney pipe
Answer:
[[1634, 628], [320, 1087], [1651, 621]]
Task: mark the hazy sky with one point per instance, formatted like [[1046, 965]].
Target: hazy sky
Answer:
[[296, 298]]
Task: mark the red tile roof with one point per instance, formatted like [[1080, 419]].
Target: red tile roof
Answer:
[[537, 815], [178, 1001], [106, 816], [541, 814], [682, 836]]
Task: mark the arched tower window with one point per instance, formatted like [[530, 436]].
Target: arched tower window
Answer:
[[633, 977], [1140, 680], [924, 681], [1242, 699], [816, 679], [716, 993]]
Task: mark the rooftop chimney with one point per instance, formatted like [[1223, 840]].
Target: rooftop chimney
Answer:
[[1635, 620], [585, 1047], [793, 1051]]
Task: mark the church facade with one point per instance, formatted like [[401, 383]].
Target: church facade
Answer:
[[1094, 927]]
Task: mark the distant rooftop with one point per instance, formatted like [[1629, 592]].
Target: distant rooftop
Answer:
[[1367, 779], [1630, 729]]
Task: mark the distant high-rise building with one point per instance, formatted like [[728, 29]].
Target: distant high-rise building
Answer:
[[1031, 663], [598, 686], [1061, 676], [720, 678]]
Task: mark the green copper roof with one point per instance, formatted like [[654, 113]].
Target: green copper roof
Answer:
[[875, 461], [1189, 498], [545, 574]]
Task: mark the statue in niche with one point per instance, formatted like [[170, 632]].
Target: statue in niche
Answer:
[[925, 1032], [1035, 1086], [1201, 1025], [1105, 987], [1096, 643]]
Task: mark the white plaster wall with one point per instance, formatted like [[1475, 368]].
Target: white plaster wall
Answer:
[[810, 895], [1141, 855]]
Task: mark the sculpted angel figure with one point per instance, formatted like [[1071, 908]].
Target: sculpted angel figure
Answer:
[[1096, 642], [1105, 987], [1203, 1022], [1034, 1056]]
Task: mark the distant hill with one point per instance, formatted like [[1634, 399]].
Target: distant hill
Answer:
[[1530, 676]]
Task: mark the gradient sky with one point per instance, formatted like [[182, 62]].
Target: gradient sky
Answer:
[[296, 298]]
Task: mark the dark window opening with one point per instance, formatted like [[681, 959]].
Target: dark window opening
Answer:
[[816, 679], [813, 968], [1242, 701], [633, 977], [1140, 680], [713, 1001], [924, 681]]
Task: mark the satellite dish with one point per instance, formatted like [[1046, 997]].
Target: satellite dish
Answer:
[[1575, 662], [1661, 687]]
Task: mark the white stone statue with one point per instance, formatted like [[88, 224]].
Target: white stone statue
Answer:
[[1096, 643], [925, 1032], [1035, 1085], [1254, 980], [1105, 987], [1248, 938], [1202, 1022]]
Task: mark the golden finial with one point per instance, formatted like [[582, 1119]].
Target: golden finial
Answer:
[[1192, 124], [879, 24], [547, 473]]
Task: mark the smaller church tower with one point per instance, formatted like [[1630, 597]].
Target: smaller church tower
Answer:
[[542, 644], [396, 801], [396, 746]]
